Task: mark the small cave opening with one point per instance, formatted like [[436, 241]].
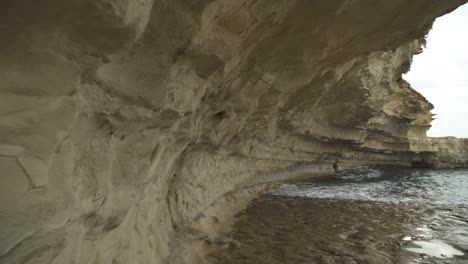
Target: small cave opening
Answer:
[[440, 73]]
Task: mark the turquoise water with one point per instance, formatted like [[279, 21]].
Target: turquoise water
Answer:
[[365, 215]]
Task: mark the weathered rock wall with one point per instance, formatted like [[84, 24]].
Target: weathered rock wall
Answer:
[[130, 128], [450, 153]]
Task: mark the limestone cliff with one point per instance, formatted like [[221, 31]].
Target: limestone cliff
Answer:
[[131, 130]]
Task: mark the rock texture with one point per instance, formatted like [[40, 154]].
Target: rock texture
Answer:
[[130, 130]]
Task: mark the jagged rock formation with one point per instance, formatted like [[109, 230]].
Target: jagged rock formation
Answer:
[[130, 131]]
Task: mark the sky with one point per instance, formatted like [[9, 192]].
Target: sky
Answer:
[[440, 73]]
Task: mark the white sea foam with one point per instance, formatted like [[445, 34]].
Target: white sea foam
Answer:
[[435, 248]]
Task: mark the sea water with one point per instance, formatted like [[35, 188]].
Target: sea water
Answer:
[[364, 215]]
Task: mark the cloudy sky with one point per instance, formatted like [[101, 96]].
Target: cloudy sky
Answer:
[[440, 73]]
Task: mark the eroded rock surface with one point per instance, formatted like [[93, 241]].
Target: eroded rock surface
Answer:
[[130, 129]]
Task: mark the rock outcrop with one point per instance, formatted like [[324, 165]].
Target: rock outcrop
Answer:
[[131, 130]]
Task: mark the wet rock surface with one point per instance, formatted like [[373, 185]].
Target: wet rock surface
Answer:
[[411, 226]]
